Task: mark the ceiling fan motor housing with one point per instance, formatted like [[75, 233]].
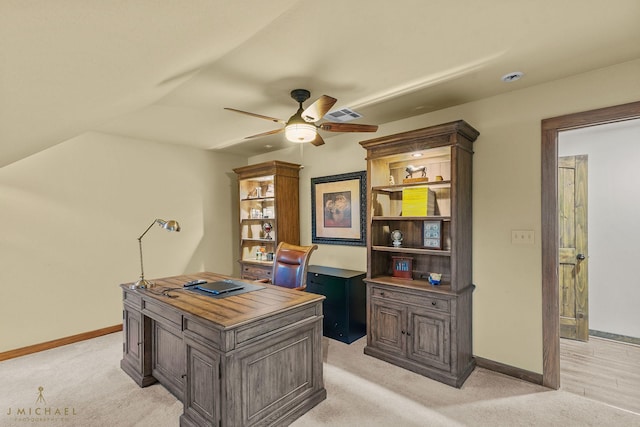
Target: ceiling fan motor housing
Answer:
[[300, 95]]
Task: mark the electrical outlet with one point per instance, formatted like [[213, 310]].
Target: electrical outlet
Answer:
[[522, 237]]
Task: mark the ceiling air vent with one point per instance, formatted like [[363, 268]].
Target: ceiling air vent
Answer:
[[342, 115]]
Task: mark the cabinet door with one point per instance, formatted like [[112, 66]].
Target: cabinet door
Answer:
[[133, 338], [429, 338], [388, 325], [136, 348], [202, 391], [169, 359], [136, 357]]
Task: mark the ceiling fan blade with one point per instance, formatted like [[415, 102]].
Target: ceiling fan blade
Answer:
[[271, 132], [260, 116], [347, 127], [318, 141], [318, 109]]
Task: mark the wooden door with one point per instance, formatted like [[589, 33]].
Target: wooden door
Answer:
[[572, 253]]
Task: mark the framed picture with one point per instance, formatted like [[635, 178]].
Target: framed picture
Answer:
[[402, 267], [432, 234], [338, 206]]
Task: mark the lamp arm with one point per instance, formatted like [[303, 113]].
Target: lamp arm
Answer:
[[148, 228], [140, 246], [141, 265]]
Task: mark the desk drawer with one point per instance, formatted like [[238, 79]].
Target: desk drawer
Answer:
[[256, 272], [203, 333], [331, 287], [275, 324], [162, 314], [131, 299]]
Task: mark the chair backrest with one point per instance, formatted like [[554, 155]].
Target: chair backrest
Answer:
[[290, 265]]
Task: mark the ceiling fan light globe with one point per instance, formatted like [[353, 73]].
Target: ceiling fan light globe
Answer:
[[300, 132]]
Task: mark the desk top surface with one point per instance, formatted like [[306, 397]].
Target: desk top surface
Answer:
[[231, 311]]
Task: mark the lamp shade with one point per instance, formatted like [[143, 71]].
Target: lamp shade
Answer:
[[170, 225], [300, 132]]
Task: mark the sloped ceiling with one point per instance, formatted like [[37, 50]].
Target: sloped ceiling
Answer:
[[164, 70]]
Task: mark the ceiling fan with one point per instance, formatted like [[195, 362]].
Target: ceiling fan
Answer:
[[301, 126]]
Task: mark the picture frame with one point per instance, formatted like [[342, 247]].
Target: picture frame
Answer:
[[432, 234], [338, 209], [402, 267]]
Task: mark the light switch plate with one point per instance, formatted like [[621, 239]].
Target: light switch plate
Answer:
[[522, 237]]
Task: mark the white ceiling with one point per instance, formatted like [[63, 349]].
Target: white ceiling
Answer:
[[163, 70]]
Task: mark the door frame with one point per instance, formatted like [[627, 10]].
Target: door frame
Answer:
[[549, 231]]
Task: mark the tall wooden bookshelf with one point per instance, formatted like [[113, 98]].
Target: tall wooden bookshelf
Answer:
[[411, 322]]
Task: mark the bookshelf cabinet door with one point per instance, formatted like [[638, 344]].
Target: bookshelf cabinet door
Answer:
[[388, 328], [429, 339]]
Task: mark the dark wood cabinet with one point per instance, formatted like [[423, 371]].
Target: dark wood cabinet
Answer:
[[413, 322], [345, 305], [269, 214]]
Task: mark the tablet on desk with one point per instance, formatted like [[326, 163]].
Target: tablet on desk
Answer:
[[220, 287]]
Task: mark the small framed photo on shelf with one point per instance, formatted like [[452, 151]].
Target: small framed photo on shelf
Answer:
[[402, 267], [432, 234]]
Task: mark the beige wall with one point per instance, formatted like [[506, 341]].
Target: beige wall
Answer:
[[71, 216], [507, 301]]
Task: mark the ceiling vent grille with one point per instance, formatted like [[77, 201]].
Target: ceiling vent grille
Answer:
[[342, 115]]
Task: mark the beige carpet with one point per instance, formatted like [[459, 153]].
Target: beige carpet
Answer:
[[85, 380]]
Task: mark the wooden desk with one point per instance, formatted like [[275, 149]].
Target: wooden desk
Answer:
[[248, 359]]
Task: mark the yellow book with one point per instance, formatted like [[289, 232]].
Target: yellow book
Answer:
[[418, 201]]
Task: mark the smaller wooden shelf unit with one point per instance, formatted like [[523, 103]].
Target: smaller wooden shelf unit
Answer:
[[268, 193]]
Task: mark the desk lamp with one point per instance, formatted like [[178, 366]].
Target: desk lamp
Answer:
[[170, 225]]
